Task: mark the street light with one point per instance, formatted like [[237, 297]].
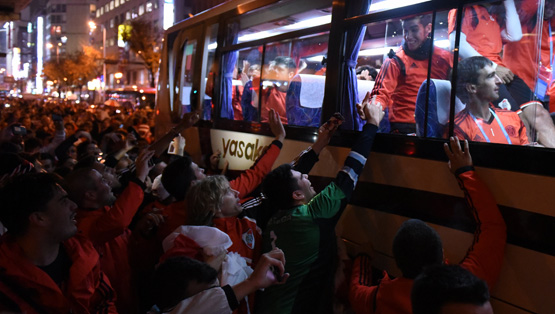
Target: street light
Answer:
[[92, 26]]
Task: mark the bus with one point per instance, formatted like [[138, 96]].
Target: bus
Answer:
[[135, 96], [231, 49]]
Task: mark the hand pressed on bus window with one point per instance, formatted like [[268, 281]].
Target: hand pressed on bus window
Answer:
[[457, 157], [276, 126]]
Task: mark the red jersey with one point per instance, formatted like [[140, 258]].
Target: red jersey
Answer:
[[273, 99], [521, 56], [466, 127], [485, 36], [397, 90], [87, 290]]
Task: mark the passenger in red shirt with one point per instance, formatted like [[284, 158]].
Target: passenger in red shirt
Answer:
[[521, 56], [45, 266], [417, 246], [482, 34], [478, 85], [282, 70], [402, 74]]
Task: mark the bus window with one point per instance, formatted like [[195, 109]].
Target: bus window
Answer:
[[500, 78], [402, 63], [293, 80], [186, 77], [246, 83], [210, 52]]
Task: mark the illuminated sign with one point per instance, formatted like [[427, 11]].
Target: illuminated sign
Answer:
[[239, 149], [122, 29]]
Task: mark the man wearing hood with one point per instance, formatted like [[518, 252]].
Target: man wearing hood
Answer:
[[402, 74]]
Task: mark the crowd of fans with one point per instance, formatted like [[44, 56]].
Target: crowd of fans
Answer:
[[98, 217]]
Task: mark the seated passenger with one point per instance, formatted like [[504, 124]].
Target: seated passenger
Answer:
[[281, 72], [482, 35], [305, 223], [478, 85], [449, 289], [417, 246], [402, 74], [366, 72]]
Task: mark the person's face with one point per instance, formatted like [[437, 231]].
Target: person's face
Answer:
[[463, 308], [199, 172], [415, 33], [487, 88], [305, 186], [72, 152], [231, 206], [282, 73], [60, 216], [93, 149], [104, 195], [47, 165]]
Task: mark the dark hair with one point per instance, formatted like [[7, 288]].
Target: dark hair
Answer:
[[423, 19], [31, 144], [415, 246], [444, 284], [371, 71], [287, 61], [279, 185], [78, 182], [178, 176], [468, 73], [24, 195], [172, 278]]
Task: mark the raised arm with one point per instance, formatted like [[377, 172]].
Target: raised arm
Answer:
[[253, 177], [512, 30], [485, 256], [188, 120]]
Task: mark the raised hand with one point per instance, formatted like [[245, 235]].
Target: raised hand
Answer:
[[457, 157], [276, 126]]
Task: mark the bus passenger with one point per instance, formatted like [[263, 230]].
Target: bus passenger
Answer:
[[304, 227], [402, 74], [249, 77], [417, 246], [281, 72], [449, 289], [478, 85], [482, 34], [522, 56]]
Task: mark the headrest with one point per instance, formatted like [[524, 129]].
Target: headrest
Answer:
[[312, 90]]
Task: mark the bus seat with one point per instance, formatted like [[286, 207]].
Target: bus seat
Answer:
[[305, 96], [438, 110]]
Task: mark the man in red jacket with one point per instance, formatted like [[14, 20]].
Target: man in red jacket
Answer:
[[104, 220], [402, 74], [416, 246], [44, 266]]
